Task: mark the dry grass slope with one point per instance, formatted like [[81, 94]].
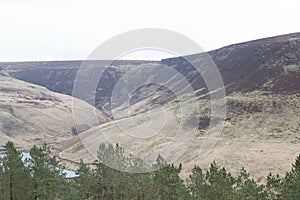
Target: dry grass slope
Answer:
[[32, 114], [261, 133]]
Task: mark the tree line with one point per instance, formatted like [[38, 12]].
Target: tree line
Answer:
[[41, 177]]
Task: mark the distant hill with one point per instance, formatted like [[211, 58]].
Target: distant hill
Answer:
[[270, 64], [261, 128]]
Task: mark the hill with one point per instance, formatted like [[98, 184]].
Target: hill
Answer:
[[261, 127], [269, 64], [32, 114]]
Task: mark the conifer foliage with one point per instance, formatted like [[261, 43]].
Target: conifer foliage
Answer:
[[40, 177]]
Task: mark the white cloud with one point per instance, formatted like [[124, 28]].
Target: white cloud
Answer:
[[65, 29]]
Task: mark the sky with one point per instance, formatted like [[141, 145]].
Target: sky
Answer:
[[72, 29]]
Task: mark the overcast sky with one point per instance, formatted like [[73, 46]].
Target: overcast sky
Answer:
[[71, 29]]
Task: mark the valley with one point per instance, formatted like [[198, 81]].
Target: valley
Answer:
[[261, 131]]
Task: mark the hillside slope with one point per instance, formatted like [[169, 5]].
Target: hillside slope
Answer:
[[262, 126], [261, 129], [261, 133], [32, 114], [269, 64]]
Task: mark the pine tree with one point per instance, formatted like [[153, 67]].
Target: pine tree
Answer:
[[274, 186], [109, 180], [167, 181], [246, 188], [85, 182], [219, 183], [15, 177], [196, 183], [47, 176], [291, 183]]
